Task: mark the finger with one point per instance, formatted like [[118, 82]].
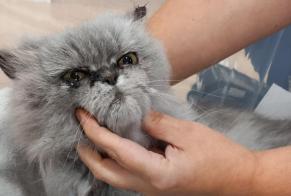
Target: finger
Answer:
[[128, 154], [107, 170], [166, 128]]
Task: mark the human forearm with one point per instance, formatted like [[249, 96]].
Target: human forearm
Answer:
[[273, 173], [199, 33], [268, 174]]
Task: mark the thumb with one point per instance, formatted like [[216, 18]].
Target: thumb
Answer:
[[166, 128]]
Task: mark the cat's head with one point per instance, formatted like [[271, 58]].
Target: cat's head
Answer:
[[110, 66]]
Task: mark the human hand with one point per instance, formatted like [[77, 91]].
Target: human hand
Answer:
[[197, 161]]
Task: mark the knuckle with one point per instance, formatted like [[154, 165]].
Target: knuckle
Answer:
[[163, 183], [96, 173], [116, 149], [121, 184], [181, 125]]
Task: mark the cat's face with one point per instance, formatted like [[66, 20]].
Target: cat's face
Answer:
[[111, 67]]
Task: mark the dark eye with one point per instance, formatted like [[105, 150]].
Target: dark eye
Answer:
[[128, 59], [73, 77]]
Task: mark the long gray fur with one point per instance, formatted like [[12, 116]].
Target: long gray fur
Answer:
[[40, 130]]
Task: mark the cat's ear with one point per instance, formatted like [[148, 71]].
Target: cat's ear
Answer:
[[139, 12], [7, 63]]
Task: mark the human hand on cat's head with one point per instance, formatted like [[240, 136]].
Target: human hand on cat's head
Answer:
[[197, 161]]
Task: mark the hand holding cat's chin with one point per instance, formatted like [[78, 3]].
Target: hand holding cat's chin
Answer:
[[199, 161]]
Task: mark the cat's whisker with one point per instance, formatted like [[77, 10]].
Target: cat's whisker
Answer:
[[193, 90], [152, 81], [171, 99], [208, 114], [78, 131], [78, 135], [197, 118]]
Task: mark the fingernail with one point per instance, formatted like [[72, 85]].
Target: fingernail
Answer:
[[153, 116], [80, 115]]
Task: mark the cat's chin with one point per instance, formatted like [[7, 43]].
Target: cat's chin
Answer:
[[125, 119]]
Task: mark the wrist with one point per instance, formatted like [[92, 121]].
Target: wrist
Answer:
[[240, 179], [273, 171]]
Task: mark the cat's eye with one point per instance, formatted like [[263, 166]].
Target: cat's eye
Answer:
[[128, 59], [73, 77]]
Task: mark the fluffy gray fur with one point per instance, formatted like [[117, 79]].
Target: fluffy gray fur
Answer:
[[40, 130]]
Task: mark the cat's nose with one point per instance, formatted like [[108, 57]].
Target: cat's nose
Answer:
[[106, 75]]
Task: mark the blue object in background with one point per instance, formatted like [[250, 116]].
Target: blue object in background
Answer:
[[271, 58], [222, 86]]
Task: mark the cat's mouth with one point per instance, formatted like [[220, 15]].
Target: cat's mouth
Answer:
[[119, 97]]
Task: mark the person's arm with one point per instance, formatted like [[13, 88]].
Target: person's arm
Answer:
[[273, 173], [198, 33], [198, 161]]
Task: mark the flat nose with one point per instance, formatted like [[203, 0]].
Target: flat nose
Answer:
[[106, 75]]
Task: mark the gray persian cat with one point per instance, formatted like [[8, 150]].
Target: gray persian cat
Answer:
[[115, 70]]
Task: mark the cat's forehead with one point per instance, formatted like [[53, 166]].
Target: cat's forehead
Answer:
[[96, 43], [104, 38]]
